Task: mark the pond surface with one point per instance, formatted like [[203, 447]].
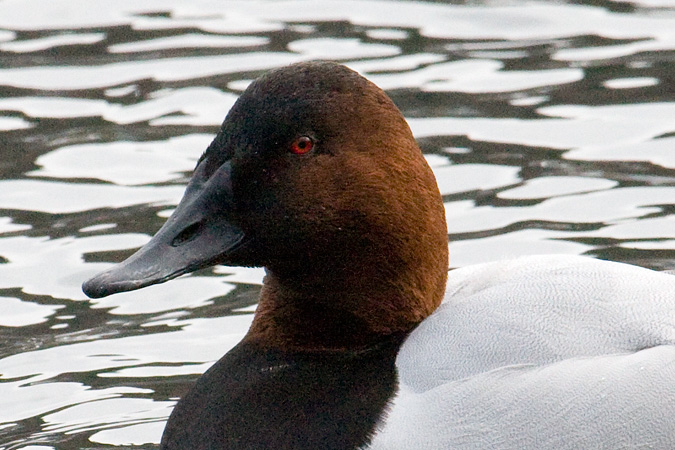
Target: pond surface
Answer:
[[550, 127]]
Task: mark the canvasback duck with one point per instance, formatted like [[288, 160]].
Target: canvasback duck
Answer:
[[357, 342]]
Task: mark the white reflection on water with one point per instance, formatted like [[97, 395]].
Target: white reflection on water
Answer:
[[54, 107], [474, 76], [6, 226], [512, 245], [664, 42], [34, 400], [469, 177], [640, 123], [125, 163], [325, 48], [54, 267], [168, 69], [650, 228], [605, 206], [144, 433], [630, 83], [198, 341], [196, 105], [194, 341], [13, 123], [190, 40], [539, 188], [58, 198], [7, 35], [191, 292], [17, 313], [33, 45], [657, 151], [147, 82], [100, 413], [35, 447], [433, 20]]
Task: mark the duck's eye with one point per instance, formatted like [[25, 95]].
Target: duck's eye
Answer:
[[302, 145]]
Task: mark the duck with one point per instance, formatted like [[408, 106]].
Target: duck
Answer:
[[362, 337]]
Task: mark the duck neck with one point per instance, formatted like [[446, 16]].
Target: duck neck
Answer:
[[349, 314]]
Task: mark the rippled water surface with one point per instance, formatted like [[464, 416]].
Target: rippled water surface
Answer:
[[550, 127]]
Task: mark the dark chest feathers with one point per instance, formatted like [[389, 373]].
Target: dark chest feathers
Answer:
[[267, 399]]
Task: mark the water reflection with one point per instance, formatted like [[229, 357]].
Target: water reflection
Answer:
[[549, 127]]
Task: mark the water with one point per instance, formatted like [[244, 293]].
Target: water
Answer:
[[550, 127]]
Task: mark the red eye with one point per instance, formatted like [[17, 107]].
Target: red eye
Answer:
[[302, 145]]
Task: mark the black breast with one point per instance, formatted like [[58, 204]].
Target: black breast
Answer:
[[268, 399]]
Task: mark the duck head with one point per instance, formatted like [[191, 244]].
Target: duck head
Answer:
[[316, 176]]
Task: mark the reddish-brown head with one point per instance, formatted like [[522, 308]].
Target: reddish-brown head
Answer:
[[316, 176]]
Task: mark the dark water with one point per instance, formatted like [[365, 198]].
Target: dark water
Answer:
[[550, 126]]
